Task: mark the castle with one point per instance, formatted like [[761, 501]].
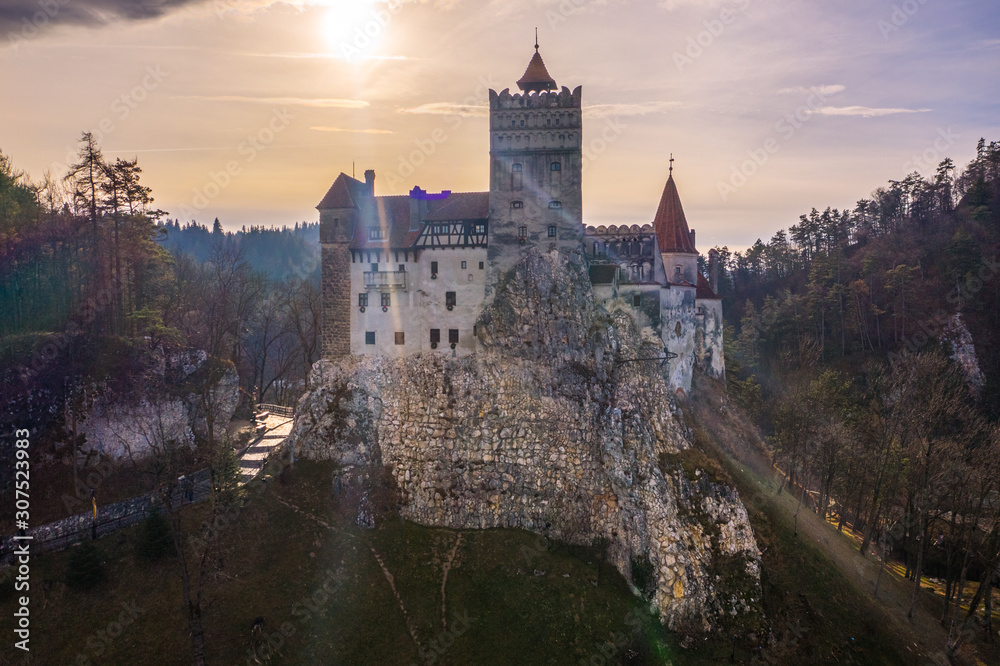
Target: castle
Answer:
[[411, 273]]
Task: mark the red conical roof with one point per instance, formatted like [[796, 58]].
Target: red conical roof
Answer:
[[536, 78], [672, 233]]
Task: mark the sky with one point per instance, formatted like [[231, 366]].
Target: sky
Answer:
[[247, 110]]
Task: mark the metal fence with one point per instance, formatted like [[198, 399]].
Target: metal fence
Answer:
[[64, 533]]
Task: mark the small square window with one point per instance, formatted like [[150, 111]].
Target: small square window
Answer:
[[517, 204], [453, 336], [435, 336], [555, 204], [363, 299], [636, 300], [449, 299], [369, 337], [552, 231], [481, 267], [555, 166], [464, 264], [400, 337], [402, 268], [385, 300]]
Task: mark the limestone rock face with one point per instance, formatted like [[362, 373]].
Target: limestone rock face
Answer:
[[556, 428], [178, 390]]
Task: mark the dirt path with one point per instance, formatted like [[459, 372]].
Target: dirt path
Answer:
[[923, 635]]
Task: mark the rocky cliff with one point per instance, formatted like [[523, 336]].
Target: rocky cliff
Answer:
[[559, 425]]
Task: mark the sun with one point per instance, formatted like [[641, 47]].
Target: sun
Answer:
[[353, 27]]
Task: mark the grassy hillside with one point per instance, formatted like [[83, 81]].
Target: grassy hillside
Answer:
[[330, 592]]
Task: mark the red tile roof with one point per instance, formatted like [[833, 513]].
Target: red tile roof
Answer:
[[344, 193], [460, 206], [672, 233], [536, 77], [393, 216], [704, 289]]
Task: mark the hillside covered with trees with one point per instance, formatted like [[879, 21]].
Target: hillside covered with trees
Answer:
[[866, 342]]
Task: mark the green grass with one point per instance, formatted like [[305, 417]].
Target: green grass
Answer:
[[273, 563]]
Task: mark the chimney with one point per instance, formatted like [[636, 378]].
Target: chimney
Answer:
[[370, 181], [713, 270], [693, 244]]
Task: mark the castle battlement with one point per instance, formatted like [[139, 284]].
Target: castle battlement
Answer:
[[564, 99]]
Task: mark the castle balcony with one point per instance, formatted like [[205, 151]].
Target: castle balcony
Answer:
[[385, 280]]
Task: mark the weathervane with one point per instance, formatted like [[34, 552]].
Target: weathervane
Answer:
[[671, 164], [536, 40]]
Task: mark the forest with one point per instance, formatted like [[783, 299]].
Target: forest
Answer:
[[865, 343], [88, 259]]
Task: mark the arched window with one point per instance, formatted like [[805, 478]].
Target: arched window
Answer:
[[555, 204], [555, 166]]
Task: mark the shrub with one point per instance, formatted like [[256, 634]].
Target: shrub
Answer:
[[155, 538], [84, 569]]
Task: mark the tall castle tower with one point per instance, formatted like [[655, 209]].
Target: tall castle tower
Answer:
[[675, 240], [339, 212], [535, 169]]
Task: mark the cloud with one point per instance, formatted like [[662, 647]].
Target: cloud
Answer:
[[316, 102], [449, 109], [26, 18], [863, 111], [634, 109], [322, 128], [822, 90]]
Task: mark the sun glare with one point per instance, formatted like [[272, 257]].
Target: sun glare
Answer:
[[352, 28]]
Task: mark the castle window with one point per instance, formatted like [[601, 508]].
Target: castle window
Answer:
[[522, 123], [515, 176], [374, 268], [400, 337], [434, 269], [555, 204], [453, 336], [557, 121], [555, 166], [479, 229], [552, 231], [449, 299], [375, 234], [402, 268], [517, 204], [480, 265], [522, 232], [513, 123], [435, 337], [385, 300], [637, 300], [464, 264], [369, 337], [548, 121], [363, 299]]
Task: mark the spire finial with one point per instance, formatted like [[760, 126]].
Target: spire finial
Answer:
[[536, 40], [671, 164]]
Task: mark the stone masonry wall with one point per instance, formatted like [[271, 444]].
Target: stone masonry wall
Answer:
[[336, 300]]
